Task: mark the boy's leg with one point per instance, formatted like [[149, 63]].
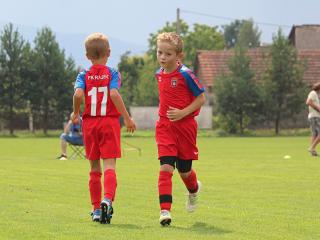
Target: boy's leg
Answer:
[[165, 188], [95, 186], [110, 186], [189, 177]]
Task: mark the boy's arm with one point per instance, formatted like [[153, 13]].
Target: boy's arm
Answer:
[[77, 100], [175, 114], [118, 102], [67, 127]]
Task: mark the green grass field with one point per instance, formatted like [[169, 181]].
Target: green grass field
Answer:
[[249, 192]]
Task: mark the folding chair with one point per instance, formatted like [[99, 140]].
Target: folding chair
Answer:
[[77, 151]]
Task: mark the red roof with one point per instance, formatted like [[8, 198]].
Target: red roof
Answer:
[[210, 64]]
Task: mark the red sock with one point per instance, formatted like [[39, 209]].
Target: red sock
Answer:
[[191, 182], [95, 189], [165, 190], [110, 184]]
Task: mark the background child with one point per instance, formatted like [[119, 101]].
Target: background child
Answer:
[[101, 127], [71, 134], [180, 98]]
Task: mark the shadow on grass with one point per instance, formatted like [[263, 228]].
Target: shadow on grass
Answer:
[[204, 228]]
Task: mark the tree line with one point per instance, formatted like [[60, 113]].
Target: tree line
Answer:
[[36, 80]]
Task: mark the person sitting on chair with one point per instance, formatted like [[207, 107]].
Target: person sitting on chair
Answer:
[[72, 134]]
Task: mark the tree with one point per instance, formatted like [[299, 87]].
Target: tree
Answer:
[[231, 33], [12, 49], [284, 88], [203, 37], [129, 68], [147, 91], [242, 32], [249, 35], [237, 93], [53, 88]]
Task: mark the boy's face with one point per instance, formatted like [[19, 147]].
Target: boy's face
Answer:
[[167, 56]]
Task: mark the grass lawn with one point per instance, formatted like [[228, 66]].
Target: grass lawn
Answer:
[[249, 192]]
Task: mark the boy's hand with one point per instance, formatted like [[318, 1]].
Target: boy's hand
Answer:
[[175, 114], [74, 117], [130, 125]]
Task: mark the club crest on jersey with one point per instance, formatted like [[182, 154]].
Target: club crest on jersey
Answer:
[[174, 82]]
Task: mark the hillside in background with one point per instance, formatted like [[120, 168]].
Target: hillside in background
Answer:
[[72, 43]]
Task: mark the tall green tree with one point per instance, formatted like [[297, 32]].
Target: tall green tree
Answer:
[[203, 37], [243, 33], [231, 33], [249, 35], [12, 49], [147, 90], [129, 68], [237, 94], [284, 88], [53, 88]]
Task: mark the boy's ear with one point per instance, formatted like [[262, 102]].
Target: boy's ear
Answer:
[[108, 52]]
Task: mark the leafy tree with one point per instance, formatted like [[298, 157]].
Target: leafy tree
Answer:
[[12, 49], [249, 35], [203, 37], [284, 88], [231, 33], [147, 91], [242, 32], [237, 94], [129, 68], [53, 88]]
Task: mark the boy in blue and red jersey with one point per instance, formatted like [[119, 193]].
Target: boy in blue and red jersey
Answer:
[[180, 97], [101, 127]]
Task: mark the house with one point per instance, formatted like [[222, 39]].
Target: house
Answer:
[[306, 38]]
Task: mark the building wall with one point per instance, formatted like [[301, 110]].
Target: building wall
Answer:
[[146, 117]]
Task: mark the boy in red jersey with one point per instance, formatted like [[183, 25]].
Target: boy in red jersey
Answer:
[[180, 97], [101, 127]]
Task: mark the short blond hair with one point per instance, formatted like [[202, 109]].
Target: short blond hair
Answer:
[[97, 45], [172, 38]]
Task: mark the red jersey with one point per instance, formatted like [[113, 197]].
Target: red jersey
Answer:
[[177, 89], [97, 83]]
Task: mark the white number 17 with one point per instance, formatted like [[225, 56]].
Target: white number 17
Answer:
[[93, 94]]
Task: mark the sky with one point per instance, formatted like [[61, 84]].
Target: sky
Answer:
[[133, 20]]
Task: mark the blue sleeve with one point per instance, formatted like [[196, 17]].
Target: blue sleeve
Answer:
[[80, 82], [193, 82], [115, 82]]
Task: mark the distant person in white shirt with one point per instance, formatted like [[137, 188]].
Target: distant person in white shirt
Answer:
[[314, 117]]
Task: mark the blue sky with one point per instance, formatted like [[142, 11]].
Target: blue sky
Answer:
[[133, 20]]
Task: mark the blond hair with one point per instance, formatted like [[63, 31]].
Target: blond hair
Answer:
[[172, 38], [97, 45]]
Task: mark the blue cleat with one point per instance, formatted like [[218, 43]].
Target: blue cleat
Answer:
[[95, 215]]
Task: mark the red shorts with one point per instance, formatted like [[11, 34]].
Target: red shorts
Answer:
[[101, 137], [177, 138]]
